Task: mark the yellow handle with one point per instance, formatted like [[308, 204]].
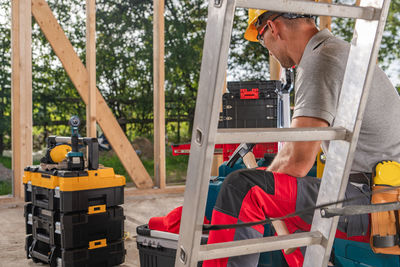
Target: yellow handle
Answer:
[[98, 243], [97, 209]]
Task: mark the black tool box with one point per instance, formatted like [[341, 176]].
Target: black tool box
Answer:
[[250, 105], [72, 215], [74, 230], [157, 248], [103, 254], [71, 191]]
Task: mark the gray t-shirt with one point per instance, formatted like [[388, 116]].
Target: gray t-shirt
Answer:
[[318, 83]]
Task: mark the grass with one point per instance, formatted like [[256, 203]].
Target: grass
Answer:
[[5, 187], [6, 161], [176, 167]]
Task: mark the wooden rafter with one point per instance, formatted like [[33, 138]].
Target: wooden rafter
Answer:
[[79, 77]]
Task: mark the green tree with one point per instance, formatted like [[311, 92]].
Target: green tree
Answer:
[[5, 77], [389, 52], [124, 61], [247, 60]]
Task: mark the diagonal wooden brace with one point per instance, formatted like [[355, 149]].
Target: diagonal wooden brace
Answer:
[[79, 77]]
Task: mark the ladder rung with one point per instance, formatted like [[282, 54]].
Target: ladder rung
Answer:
[[249, 246], [262, 135], [309, 7]]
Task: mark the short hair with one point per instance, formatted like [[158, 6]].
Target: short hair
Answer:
[[293, 23]]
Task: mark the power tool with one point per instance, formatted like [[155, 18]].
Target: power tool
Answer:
[[63, 152]]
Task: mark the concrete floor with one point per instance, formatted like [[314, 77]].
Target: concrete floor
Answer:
[[137, 209]]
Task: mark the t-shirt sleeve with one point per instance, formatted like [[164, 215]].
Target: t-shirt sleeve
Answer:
[[318, 83]]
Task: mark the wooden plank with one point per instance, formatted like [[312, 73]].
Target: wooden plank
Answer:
[[178, 189], [79, 77], [7, 201], [218, 159], [325, 22], [91, 66], [158, 97], [21, 92]]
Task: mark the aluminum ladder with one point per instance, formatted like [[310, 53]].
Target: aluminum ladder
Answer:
[[371, 16]]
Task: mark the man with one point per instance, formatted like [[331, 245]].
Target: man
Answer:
[[252, 195]]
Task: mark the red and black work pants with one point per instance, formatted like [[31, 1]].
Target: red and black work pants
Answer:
[[252, 195]]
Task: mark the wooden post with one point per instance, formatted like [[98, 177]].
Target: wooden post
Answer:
[[218, 159], [274, 68], [78, 74], [159, 98], [21, 91], [91, 67], [325, 22]]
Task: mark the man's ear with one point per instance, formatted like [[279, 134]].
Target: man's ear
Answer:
[[273, 27]]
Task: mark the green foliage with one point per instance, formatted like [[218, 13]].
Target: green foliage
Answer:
[[5, 188], [247, 60], [6, 162], [5, 77], [389, 52], [125, 64]]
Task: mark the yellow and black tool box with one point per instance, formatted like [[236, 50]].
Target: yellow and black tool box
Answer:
[[74, 230], [72, 215], [100, 253], [72, 191]]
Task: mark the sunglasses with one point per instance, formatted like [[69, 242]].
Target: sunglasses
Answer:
[[260, 35]]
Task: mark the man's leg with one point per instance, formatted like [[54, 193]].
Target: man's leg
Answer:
[[252, 195]]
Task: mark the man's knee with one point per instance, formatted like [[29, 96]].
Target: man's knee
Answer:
[[237, 185], [244, 180]]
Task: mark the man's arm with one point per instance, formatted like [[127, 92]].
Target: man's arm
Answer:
[[297, 158]]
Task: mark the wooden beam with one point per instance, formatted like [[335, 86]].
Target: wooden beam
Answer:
[[325, 22], [21, 91], [177, 189], [274, 68], [91, 67], [6, 201], [158, 97], [79, 77]]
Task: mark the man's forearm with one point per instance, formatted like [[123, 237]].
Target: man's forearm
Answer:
[[295, 158]]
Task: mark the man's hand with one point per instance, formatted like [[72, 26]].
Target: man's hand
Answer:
[[297, 158]]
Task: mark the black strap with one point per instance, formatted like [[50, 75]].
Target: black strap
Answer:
[[384, 206]]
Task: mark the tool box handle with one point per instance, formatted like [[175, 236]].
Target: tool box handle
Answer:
[[247, 94]]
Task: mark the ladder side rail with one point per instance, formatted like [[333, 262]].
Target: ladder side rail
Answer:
[[356, 85], [212, 77], [309, 7]]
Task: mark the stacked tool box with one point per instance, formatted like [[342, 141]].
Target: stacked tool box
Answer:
[[72, 212], [251, 104], [73, 218]]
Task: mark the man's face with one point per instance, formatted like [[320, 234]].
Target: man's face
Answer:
[[274, 43]]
